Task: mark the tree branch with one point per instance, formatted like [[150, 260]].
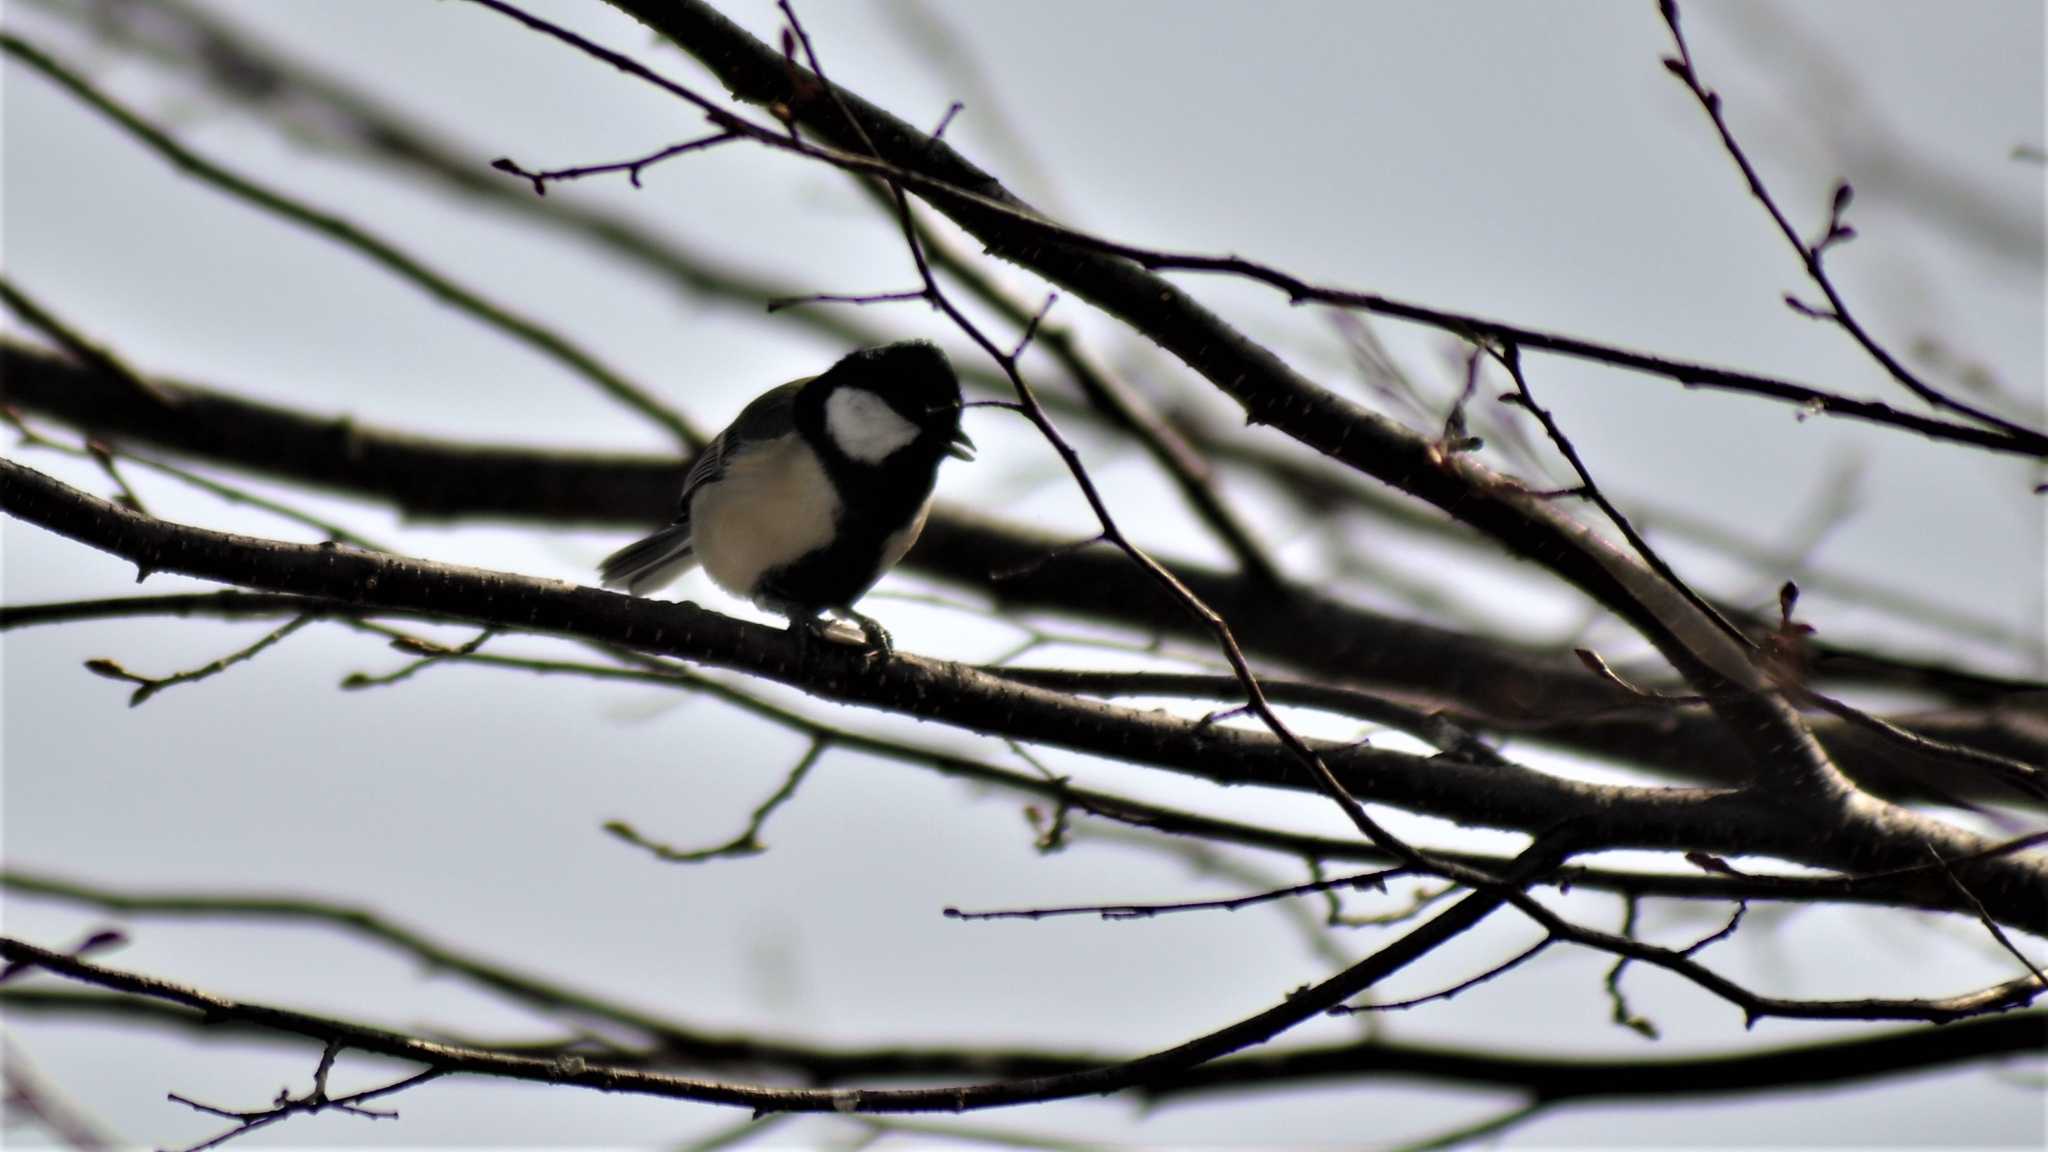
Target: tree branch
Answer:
[[1488, 684], [1866, 837], [1789, 1068], [380, 251]]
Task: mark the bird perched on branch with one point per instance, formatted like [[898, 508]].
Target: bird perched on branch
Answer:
[[817, 489]]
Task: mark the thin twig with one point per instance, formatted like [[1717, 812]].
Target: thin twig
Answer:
[[1510, 358], [632, 168], [1621, 1014], [315, 1101], [1376, 880], [428, 653], [1500, 969], [748, 842], [1984, 917], [1470, 1134], [148, 686], [1812, 254]]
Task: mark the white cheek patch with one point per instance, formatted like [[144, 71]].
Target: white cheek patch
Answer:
[[864, 426]]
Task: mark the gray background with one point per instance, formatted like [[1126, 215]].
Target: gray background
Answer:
[[1530, 162]]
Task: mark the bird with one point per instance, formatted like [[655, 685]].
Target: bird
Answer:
[[814, 491]]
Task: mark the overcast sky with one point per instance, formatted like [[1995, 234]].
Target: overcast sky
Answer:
[[1532, 163]]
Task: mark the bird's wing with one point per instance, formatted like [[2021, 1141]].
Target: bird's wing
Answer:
[[769, 414]]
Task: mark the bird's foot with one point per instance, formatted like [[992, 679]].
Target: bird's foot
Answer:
[[880, 646], [809, 631]]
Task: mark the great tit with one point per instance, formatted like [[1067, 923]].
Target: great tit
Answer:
[[818, 488]]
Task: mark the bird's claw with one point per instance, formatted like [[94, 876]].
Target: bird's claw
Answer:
[[880, 646], [810, 630]]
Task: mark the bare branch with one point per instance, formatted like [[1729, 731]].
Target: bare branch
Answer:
[[1510, 357], [1498, 970], [85, 351], [148, 686], [429, 655], [336, 228], [632, 168], [1551, 701], [1811, 253], [1871, 835], [445, 1058], [1620, 1013], [748, 842], [316, 1100], [1990, 925], [1377, 880], [932, 169]]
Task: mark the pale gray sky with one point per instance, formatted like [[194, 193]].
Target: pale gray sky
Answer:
[[1528, 162]]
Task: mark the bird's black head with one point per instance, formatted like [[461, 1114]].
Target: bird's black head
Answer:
[[896, 406]]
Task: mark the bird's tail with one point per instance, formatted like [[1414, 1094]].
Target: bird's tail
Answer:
[[645, 565]]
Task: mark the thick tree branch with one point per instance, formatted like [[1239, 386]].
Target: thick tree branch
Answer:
[[1791, 1068], [1866, 836], [271, 84], [1771, 732], [754, 72], [1908, 887], [1541, 857], [1485, 682]]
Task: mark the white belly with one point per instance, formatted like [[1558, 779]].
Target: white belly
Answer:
[[770, 508]]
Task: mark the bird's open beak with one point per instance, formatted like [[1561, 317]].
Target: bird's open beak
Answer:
[[961, 448]]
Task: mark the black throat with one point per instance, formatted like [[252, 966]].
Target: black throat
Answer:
[[876, 501]]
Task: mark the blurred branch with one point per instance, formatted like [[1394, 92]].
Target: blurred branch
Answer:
[[943, 48], [1933, 189], [1151, 1069], [308, 101], [955, 1135], [426, 653], [81, 349], [748, 842], [103, 455], [1491, 1126], [26, 1097], [407, 267]]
